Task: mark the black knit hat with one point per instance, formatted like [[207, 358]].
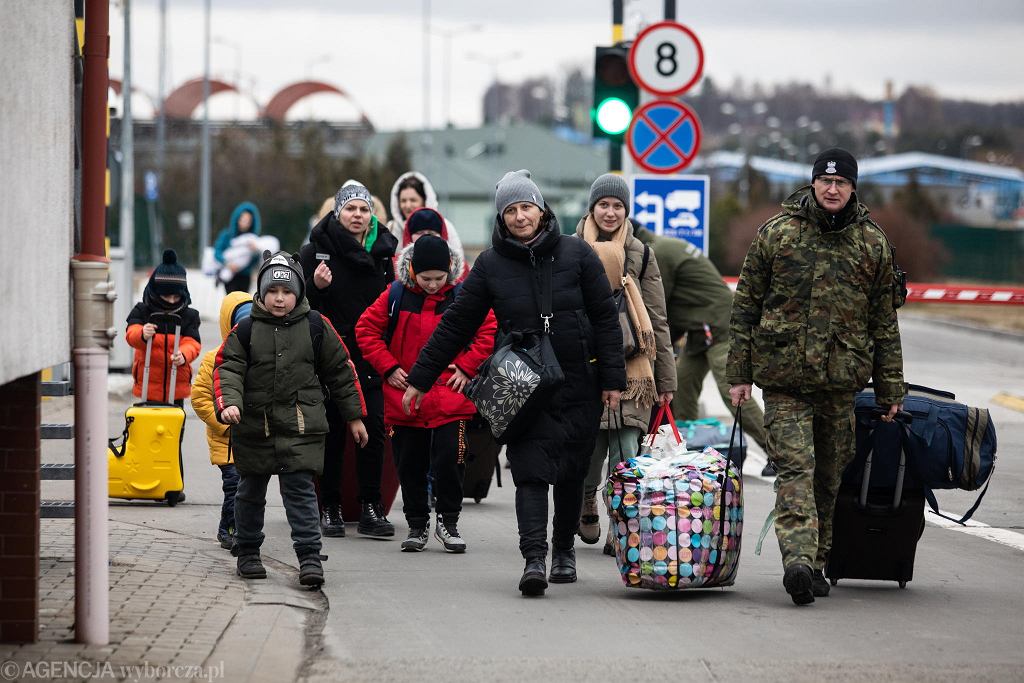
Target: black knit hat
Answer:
[[835, 161], [424, 219], [169, 277], [431, 253]]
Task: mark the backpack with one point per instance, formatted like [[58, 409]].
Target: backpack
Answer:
[[243, 331], [395, 292]]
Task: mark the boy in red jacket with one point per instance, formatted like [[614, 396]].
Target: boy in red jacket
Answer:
[[433, 437]]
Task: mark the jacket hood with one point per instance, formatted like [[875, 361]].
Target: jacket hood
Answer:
[[507, 245], [802, 203], [405, 258], [430, 201], [237, 212], [227, 310]]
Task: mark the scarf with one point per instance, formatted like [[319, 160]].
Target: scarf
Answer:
[[370, 236], [612, 252]]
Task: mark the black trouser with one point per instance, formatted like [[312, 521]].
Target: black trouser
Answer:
[[299, 499], [440, 450], [239, 283], [369, 460], [532, 514], [229, 484]]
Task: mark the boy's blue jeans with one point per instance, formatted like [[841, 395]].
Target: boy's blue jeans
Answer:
[[229, 484], [300, 507]]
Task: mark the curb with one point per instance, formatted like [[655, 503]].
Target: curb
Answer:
[[966, 327]]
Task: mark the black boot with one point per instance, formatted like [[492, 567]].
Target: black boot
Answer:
[[250, 566], [534, 582], [798, 580], [331, 522], [819, 584], [563, 566], [311, 571], [372, 521]]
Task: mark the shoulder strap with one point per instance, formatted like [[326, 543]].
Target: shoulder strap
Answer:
[[545, 292], [243, 331], [643, 266], [316, 332], [395, 291]]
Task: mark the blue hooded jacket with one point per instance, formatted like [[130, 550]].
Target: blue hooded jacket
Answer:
[[229, 233]]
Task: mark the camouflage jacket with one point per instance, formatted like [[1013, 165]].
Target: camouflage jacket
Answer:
[[814, 308]]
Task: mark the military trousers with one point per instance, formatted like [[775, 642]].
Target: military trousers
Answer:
[[691, 369], [811, 441]]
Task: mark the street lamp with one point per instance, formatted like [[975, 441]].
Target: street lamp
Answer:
[[236, 81], [447, 35], [493, 61]]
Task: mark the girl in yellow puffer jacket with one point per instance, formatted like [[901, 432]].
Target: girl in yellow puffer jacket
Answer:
[[235, 307]]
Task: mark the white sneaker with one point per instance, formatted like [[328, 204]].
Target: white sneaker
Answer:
[[448, 533]]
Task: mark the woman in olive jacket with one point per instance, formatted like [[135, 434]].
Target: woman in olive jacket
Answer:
[[555, 448]]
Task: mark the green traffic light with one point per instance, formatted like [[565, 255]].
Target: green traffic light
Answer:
[[613, 115]]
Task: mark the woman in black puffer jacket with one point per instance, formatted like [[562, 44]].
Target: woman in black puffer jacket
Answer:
[[555, 449]]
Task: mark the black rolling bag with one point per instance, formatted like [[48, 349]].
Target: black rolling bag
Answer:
[[876, 528], [481, 460]]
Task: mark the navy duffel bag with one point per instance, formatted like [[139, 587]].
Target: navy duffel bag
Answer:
[[949, 445]]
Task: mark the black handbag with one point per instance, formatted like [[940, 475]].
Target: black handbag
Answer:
[[519, 377]]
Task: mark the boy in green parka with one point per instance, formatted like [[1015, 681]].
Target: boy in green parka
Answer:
[[267, 384]]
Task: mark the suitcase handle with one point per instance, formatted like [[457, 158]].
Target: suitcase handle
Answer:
[[111, 443], [904, 418], [156, 319]]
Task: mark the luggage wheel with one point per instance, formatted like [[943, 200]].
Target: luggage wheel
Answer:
[[174, 497], [477, 500], [903, 584], [834, 582]]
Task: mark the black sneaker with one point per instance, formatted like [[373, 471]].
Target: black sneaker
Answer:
[[250, 567], [311, 571], [331, 522], [797, 580], [447, 531], [819, 584], [226, 538], [417, 539], [372, 521], [768, 470]]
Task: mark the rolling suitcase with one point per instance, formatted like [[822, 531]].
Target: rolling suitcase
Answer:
[[481, 460], [876, 528], [350, 508], [146, 464]]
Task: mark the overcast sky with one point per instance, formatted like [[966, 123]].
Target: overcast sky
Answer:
[[375, 50]]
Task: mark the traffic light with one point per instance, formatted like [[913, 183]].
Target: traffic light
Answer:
[[615, 94]]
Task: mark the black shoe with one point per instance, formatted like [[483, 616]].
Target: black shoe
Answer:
[[534, 582], [331, 522], [311, 571], [226, 538], [250, 567], [563, 566], [797, 580], [768, 470], [819, 584], [372, 521]]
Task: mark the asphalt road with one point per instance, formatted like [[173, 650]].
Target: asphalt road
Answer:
[[408, 617]]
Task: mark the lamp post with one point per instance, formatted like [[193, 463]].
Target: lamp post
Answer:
[[447, 35], [493, 61], [236, 81], [204, 169]]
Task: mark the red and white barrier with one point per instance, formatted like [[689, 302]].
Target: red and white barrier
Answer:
[[934, 293]]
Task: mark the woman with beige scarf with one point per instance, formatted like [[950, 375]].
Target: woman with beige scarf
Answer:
[[650, 373]]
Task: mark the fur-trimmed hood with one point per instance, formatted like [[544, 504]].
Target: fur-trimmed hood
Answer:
[[402, 271]]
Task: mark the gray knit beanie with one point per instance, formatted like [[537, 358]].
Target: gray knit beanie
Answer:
[[609, 185], [281, 270], [516, 186], [350, 193]]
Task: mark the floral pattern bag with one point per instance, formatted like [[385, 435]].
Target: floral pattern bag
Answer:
[[520, 375]]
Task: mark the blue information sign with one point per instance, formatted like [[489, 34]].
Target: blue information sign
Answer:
[[673, 205]]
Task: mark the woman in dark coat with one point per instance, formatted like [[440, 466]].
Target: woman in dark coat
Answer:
[[348, 263], [585, 334]]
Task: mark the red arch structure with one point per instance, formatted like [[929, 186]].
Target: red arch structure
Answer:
[[117, 86], [184, 99], [285, 98]]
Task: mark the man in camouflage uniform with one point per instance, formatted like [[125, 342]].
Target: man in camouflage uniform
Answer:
[[813, 320]]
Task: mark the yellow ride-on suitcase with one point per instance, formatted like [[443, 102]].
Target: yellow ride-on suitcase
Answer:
[[147, 463]]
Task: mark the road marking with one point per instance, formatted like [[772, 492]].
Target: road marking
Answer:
[[1009, 401], [1006, 537]]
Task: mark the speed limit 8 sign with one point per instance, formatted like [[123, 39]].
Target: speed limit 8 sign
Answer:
[[666, 59]]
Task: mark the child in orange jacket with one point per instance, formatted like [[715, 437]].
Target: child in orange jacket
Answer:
[[235, 307], [166, 292]]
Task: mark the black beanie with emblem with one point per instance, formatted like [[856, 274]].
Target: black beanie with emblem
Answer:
[[835, 161], [169, 276], [431, 253], [280, 270]]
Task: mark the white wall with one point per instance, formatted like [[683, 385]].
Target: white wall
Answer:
[[36, 191]]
